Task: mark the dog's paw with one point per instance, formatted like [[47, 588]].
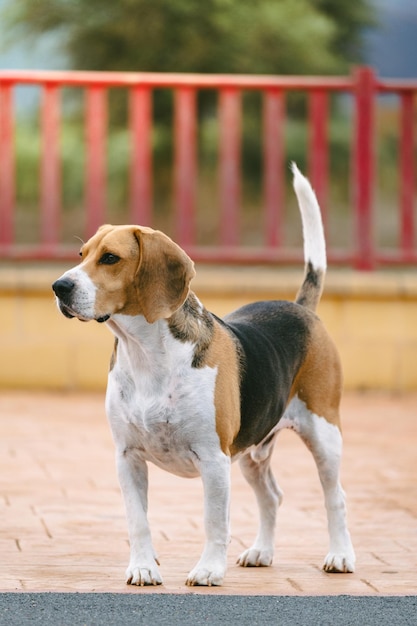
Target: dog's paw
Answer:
[[211, 567], [207, 577], [256, 557], [339, 563], [144, 574], [207, 573]]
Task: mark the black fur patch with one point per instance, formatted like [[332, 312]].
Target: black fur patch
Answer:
[[274, 338], [310, 290]]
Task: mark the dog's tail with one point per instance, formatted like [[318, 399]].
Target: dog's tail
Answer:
[[314, 242]]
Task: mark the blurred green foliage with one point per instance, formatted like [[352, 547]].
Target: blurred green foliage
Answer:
[[247, 36], [217, 36]]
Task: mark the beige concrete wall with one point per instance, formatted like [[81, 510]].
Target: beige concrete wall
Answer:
[[372, 318]]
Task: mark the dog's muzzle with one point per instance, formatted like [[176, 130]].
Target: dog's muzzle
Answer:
[[63, 289]]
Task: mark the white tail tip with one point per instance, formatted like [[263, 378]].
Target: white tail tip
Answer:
[[314, 242]]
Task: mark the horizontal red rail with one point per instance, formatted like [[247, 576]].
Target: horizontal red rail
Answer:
[[71, 78], [362, 85], [171, 81]]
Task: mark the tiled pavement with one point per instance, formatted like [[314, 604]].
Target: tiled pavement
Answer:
[[62, 524]]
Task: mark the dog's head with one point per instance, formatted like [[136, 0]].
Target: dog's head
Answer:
[[130, 270]]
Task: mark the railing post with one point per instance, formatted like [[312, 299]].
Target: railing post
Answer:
[[229, 163], [364, 167], [273, 147], [7, 165], [50, 169], [141, 155], [185, 164], [96, 125], [318, 147], [407, 171]]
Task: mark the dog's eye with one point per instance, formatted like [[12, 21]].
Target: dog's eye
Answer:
[[109, 259]]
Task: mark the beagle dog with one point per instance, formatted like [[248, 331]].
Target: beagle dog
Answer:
[[191, 392]]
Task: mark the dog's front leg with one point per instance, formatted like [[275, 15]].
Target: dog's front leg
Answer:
[[211, 568], [133, 478]]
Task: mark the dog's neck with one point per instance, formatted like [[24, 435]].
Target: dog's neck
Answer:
[[191, 323]]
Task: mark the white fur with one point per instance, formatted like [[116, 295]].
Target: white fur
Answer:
[[161, 410], [155, 396], [314, 241], [257, 471], [325, 442]]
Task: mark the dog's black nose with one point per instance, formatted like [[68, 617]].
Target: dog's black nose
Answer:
[[63, 287]]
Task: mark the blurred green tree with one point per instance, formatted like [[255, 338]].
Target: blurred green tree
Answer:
[[245, 36]]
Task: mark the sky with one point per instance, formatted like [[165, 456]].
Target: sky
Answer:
[[392, 48]]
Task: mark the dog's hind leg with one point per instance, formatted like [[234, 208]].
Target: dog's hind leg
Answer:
[[324, 440], [256, 468]]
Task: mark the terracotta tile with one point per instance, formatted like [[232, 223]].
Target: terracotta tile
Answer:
[[63, 526]]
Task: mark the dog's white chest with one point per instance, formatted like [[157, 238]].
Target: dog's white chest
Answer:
[[164, 410]]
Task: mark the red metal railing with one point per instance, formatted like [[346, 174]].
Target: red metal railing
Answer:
[[363, 86]]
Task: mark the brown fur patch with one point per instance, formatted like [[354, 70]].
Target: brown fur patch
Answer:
[[222, 354], [164, 274], [319, 379]]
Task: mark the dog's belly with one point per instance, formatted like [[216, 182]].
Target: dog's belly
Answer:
[[171, 456], [167, 446], [167, 427]]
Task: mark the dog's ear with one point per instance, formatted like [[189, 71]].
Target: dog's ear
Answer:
[[163, 276]]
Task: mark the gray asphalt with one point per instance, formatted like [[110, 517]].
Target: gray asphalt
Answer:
[[99, 609]]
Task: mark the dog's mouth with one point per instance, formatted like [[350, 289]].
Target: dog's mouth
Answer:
[[102, 318], [70, 314]]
